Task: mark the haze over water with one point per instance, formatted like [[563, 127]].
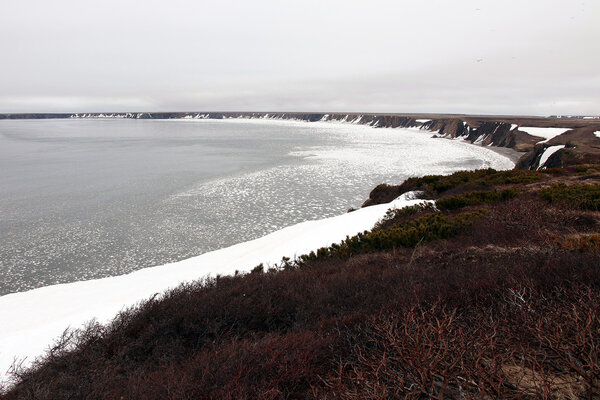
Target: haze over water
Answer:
[[83, 199]]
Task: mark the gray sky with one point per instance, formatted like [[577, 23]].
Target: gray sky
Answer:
[[521, 57]]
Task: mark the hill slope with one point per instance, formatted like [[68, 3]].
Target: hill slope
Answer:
[[494, 294]]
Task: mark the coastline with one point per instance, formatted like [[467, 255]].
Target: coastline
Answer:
[[493, 131], [338, 179], [51, 308], [512, 154]]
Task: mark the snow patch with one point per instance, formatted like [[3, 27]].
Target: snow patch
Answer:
[[414, 195], [423, 121], [39, 316], [479, 140], [547, 153], [597, 133], [546, 133]]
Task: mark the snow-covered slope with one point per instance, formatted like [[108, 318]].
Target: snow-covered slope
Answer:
[[32, 320], [546, 133], [548, 152]]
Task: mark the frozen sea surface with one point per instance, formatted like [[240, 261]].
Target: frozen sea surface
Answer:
[[37, 317], [85, 199]]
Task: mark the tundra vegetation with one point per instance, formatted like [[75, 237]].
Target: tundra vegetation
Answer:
[[493, 293]]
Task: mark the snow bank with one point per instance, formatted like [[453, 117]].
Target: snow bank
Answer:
[[422, 121], [546, 133], [547, 153], [32, 320]]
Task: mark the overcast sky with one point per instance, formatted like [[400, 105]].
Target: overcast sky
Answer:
[[511, 57]]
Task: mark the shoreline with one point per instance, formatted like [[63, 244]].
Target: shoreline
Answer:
[[485, 155], [512, 154], [487, 130], [51, 308]]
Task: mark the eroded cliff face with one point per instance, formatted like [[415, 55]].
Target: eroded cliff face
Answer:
[[486, 133], [573, 147], [580, 143]]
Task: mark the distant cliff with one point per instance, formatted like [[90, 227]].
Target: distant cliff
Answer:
[[580, 144]]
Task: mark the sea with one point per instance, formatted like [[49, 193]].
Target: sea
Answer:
[[89, 198]]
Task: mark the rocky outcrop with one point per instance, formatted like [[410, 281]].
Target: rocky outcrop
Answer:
[[383, 193], [581, 146]]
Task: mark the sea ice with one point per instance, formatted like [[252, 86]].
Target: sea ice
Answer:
[[39, 316], [33, 319]]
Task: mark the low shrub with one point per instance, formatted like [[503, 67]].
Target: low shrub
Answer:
[[323, 332], [582, 168], [434, 185], [583, 243], [260, 268], [397, 216], [581, 196], [421, 230], [504, 307], [585, 169], [383, 193], [548, 350], [513, 177], [476, 198]]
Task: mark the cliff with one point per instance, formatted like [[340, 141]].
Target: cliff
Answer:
[[581, 145]]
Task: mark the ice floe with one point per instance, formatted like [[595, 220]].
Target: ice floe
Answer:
[[33, 319]]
